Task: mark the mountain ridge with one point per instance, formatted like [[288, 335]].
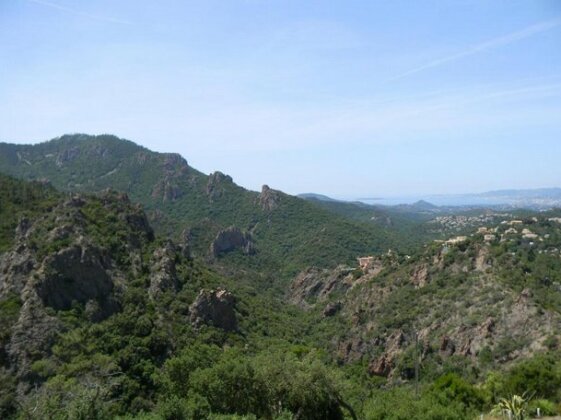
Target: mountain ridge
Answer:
[[289, 233]]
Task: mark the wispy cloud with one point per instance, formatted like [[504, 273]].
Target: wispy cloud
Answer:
[[62, 8], [484, 46]]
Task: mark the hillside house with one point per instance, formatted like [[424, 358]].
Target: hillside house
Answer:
[[365, 262]]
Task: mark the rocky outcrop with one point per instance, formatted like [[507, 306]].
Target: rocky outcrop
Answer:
[[269, 199], [163, 274], [331, 309], [215, 308], [315, 285], [215, 186], [447, 346], [66, 156], [75, 274], [232, 239], [384, 364], [174, 162], [166, 190], [420, 275], [482, 259]]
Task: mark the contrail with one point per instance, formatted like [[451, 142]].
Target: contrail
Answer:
[[79, 13], [485, 46]]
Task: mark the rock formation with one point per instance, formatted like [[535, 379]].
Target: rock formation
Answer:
[[216, 308], [231, 239]]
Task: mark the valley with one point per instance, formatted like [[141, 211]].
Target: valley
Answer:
[[135, 286]]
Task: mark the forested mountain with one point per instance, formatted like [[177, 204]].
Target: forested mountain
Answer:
[[103, 316], [282, 233]]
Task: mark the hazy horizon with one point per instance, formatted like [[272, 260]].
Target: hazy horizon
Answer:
[[350, 99]]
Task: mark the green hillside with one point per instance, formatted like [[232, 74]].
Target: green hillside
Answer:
[[288, 233], [102, 318]]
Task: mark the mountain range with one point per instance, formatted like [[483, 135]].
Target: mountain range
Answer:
[[134, 286]]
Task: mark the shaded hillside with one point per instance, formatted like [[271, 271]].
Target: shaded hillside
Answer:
[[287, 233]]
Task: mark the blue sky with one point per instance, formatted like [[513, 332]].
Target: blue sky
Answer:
[[346, 98]]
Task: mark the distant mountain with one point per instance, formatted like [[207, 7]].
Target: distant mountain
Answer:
[[218, 218], [536, 199], [313, 196]]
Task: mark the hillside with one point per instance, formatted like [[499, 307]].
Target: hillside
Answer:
[[102, 318], [478, 302], [281, 233]]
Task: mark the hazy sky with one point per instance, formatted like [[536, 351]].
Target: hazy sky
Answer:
[[346, 98]]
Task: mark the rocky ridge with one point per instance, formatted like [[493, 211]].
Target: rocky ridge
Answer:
[[455, 299]]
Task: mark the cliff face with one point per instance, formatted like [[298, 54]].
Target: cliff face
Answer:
[[486, 302]]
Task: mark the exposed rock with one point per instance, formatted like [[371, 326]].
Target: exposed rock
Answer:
[[216, 308], [174, 162], [420, 275], [331, 309], [55, 263], [447, 346], [482, 259], [354, 348], [316, 285], [231, 239], [23, 227], [77, 273], [465, 348], [215, 184], [185, 242], [167, 190], [384, 364], [380, 366], [485, 330], [269, 199], [163, 274], [67, 155], [32, 337]]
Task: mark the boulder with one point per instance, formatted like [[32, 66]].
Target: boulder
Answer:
[[216, 308]]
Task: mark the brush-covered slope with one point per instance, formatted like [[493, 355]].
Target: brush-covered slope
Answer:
[[99, 318], [406, 225], [478, 302], [282, 232]]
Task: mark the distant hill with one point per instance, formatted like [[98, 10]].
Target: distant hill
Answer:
[[283, 233], [536, 199], [313, 196]]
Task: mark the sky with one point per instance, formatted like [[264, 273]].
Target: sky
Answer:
[[347, 98]]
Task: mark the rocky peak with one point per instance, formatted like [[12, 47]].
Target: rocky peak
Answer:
[[215, 184], [173, 162], [269, 199]]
